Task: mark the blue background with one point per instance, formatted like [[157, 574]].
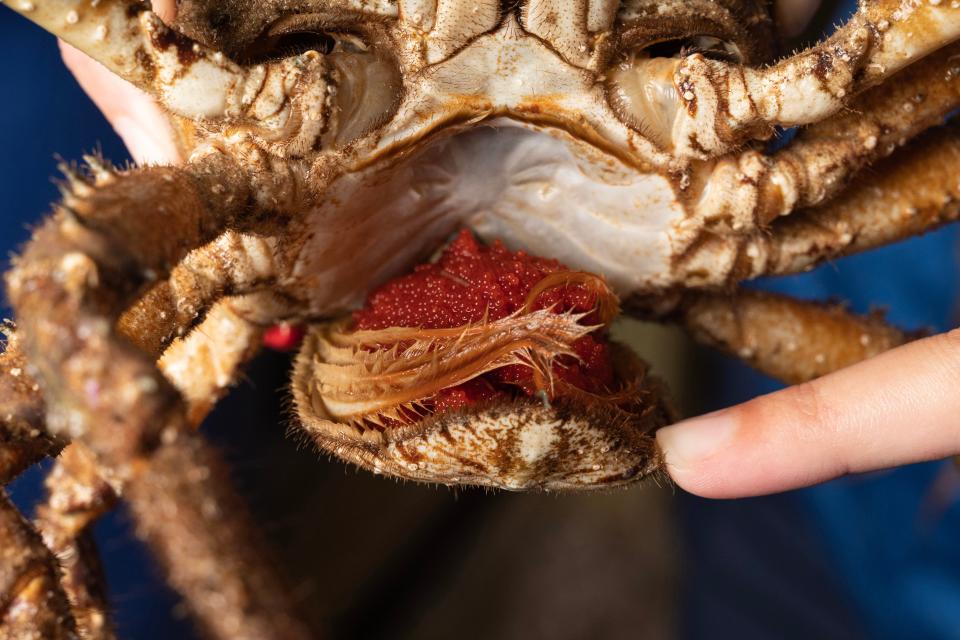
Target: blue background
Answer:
[[872, 556]]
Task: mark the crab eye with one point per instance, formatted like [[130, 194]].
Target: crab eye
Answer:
[[278, 42], [640, 83], [361, 84]]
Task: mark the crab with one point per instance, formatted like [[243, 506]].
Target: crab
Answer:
[[333, 144]]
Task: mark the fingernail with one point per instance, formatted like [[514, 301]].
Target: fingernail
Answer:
[[692, 441]]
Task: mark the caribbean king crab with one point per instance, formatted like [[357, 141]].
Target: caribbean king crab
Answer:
[[332, 144]]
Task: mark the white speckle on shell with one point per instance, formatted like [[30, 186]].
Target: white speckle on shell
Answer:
[[537, 440]]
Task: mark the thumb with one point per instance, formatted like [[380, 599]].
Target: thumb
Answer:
[[900, 407]]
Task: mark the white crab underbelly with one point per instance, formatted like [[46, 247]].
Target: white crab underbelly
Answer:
[[527, 187]]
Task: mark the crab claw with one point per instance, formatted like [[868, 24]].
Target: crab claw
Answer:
[[527, 393]]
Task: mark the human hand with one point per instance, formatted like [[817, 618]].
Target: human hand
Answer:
[[898, 408]]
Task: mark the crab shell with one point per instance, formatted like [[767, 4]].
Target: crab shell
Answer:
[[507, 138], [518, 145], [522, 444]]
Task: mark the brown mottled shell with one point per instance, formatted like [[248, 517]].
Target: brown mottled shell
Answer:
[[570, 443]]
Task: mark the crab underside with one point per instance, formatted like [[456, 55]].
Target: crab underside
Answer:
[[330, 145]]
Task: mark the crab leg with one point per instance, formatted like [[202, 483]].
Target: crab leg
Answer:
[[81, 270], [785, 338], [911, 193], [211, 547], [205, 363], [201, 366], [32, 602], [234, 263], [23, 437], [819, 163], [751, 189], [78, 496], [724, 105]]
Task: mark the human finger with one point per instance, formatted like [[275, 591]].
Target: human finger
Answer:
[[898, 408]]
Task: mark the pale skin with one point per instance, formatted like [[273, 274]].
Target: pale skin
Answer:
[[898, 408]]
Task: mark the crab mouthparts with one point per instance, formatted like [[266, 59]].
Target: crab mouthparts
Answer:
[[481, 325]]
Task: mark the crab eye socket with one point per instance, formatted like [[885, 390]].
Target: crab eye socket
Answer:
[[358, 89], [709, 46], [277, 43], [640, 83]]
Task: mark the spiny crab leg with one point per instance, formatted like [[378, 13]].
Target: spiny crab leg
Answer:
[[788, 339], [911, 193], [825, 155], [186, 77], [81, 270], [202, 366], [233, 264], [78, 496], [749, 190], [32, 602], [724, 105], [205, 363], [212, 549], [23, 437]]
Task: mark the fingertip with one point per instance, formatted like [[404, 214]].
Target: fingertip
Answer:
[[692, 448], [744, 451]]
